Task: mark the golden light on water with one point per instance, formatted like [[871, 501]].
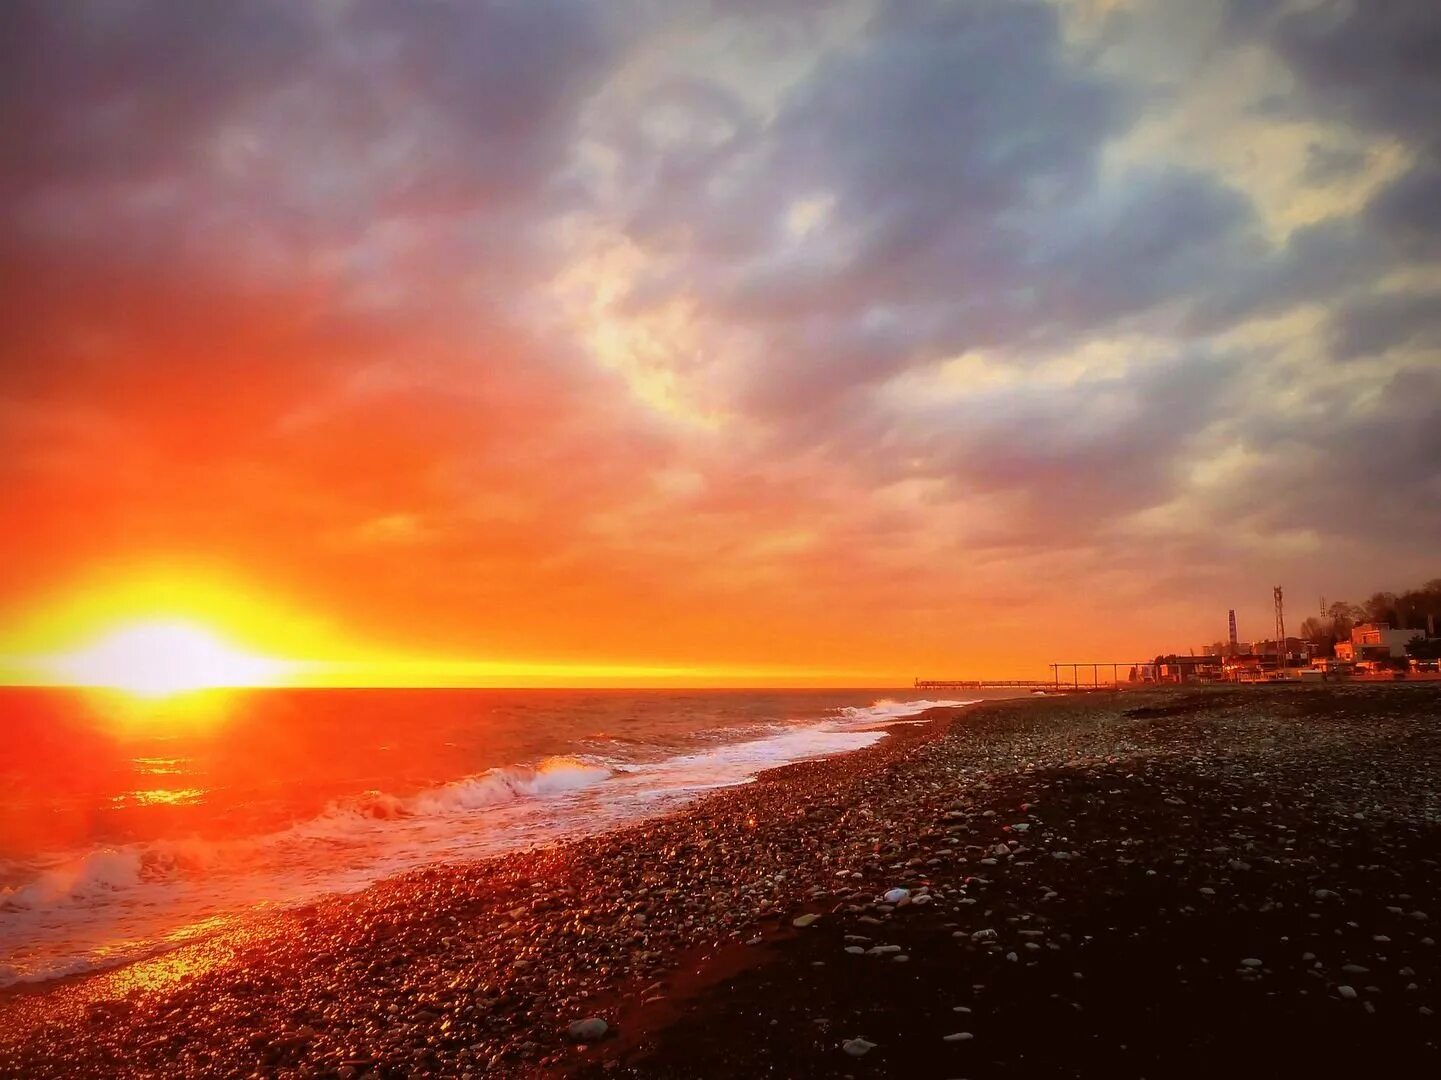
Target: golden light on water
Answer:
[[161, 658]]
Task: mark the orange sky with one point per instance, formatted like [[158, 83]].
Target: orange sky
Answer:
[[831, 344]]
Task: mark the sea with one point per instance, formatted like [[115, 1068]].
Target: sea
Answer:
[[128, 827]]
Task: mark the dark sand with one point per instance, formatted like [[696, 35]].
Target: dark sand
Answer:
[[1228, 882]]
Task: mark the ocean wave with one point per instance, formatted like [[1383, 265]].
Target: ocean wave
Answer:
[[554, 776], [98, 871], [887, 709], [103, 871]]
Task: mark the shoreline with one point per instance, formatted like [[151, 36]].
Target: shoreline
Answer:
[[481, 968], [98, 984], [171, 937]]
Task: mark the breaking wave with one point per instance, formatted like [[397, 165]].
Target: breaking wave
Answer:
[[94, 874], [494, 787]]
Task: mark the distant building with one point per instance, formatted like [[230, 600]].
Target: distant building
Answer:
[[1374, 641], [1292, 651], [1183, 669]]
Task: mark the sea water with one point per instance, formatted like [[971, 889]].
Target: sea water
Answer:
[[129, 827]]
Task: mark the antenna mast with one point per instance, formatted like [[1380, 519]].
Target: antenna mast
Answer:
[[1280, 625]]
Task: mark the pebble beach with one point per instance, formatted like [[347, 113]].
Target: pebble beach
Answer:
[[1219, 881]]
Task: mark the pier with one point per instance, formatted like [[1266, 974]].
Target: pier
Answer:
[[1070, 669]]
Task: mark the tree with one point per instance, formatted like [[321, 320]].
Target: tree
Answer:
[[1318, 631], [1343, 617], [1408, 609], [1429, 604], [1420, 648], [1381, 608]]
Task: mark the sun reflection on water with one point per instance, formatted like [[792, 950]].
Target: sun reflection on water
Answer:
[[167, 969], [195, 713], [160, 797], [158, 766]]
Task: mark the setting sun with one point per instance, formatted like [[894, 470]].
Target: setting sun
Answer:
[[164, 657]]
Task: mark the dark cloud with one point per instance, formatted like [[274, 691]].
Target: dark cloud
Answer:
[[955, 152], [1370, 325], [1377, 66], [359, 162], [1081, 452], [95, 91], [1373, 68], [1368, 474], [1377, 63], [1408, 211]]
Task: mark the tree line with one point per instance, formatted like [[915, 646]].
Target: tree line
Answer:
[[1415, 609]]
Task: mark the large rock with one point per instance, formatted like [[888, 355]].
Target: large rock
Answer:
[[591, 1029]]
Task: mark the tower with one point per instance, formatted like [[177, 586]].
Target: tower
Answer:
[[1280, 623], [1232, 615]]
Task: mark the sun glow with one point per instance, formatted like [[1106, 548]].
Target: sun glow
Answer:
[[160, 658], [151, 635]]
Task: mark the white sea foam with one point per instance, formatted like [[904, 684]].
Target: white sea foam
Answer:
[[100, 870], [886, 710], [554, 776]]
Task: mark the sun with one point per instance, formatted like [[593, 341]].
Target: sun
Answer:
[[162, 657]]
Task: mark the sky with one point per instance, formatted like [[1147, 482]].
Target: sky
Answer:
[[755, 341]]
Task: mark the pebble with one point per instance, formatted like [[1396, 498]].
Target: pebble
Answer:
[[803, 921], [858, 1047], [591, 1029], [1347, 992], [959, 1036]]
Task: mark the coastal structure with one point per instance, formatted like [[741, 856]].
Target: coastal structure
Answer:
[[1374, 649], [1372, 642]]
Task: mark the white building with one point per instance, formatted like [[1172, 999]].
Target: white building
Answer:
[[1374, 641]]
